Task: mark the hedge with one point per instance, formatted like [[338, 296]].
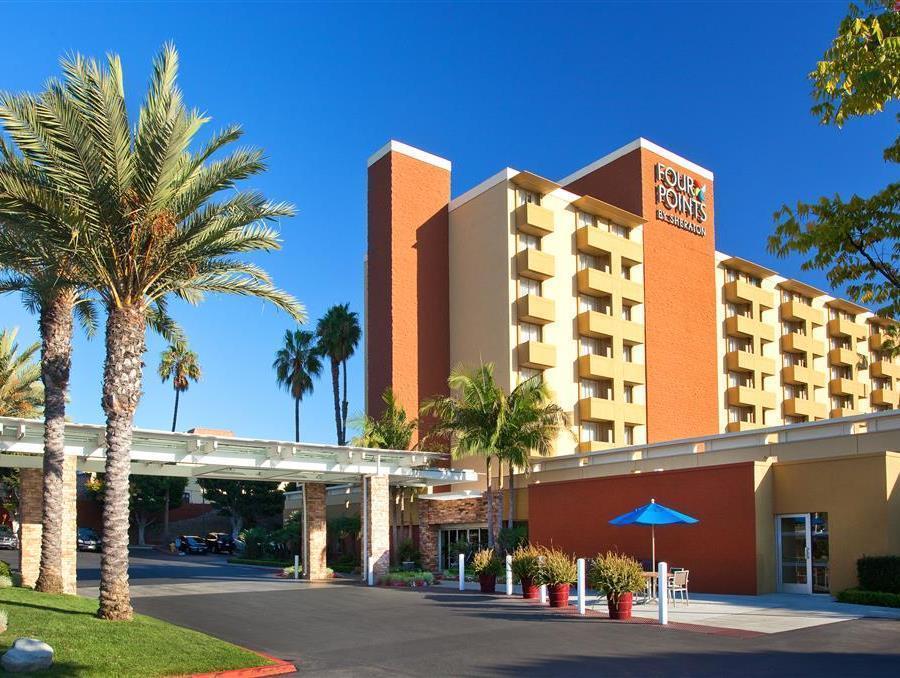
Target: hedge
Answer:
[[4, 569], [879, 573], [860, 597], [260, 562]]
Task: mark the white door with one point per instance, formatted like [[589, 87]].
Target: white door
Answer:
[[792, 538]]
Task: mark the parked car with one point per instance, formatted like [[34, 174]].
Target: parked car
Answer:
[[220, 542], [191, 544], [8, 539], [88, 540]]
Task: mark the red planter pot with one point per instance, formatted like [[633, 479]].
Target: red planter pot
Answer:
[[620, 608], [487, 582], [558, 595], [530, 589]]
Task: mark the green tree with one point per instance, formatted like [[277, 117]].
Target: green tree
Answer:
[[530, 423], [180, 364], [393, 430], [244, 501], [150, 227], [338, 331], [21, 393], [152, 496], [297, 362], [857, 241]]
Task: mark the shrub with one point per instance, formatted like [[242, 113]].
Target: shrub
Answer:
[[4, 621], [860, 597], [458, 547], [525, 563], [616, 574], [256, 540], [486, 562], [289, 572], [5, 570], [5, 581], [407, 552], [556, 568], [420, 578], [879, 573], [510, 539]]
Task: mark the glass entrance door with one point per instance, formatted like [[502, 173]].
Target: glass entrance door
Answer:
[[792, 534]]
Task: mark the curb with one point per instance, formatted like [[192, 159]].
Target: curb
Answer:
[[279, 668]]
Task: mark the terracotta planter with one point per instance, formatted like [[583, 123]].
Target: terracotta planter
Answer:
[[487, 582], [530, 589], [620, 608], [558, 595]]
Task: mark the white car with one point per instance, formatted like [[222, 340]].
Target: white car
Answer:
[[8, 539]]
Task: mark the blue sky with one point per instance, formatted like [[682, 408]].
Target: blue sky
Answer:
[[544, 87]]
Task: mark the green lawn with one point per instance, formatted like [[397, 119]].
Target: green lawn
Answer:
[[85, 645]]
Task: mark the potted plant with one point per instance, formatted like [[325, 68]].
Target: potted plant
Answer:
[[525, 565], [487, 566], [619, 576], [558, 571]]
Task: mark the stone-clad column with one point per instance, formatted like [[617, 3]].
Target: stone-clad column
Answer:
[[379, 534], [31, 498], [316, 531]]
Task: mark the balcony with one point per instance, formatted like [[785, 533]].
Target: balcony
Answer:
[[846, 387], [601, 367], [800, 343], [794, 310], [797, 374], [593, 240], [597, 283], [740, 292], [535, 309], [842, 356], [534, 219], [536, 355], [876, 341], [742, 326], [841, 327], [600, 409], [885, 396], [738, 426], [534, 264], [842, 412], [744, 396], [802, 407], [595, 446], [742, 361], [595, 324], [881, 369]]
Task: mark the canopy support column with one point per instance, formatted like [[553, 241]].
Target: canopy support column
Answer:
[[315, 532], [378, 506]]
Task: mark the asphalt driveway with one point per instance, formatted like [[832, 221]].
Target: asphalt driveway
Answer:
[[344, 629]]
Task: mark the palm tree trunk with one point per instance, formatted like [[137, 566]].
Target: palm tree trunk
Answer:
[[122, 377], [490, 504], [175, 414], [512, 500], [335, 386], [56, 362], [345, 404], [297, 420]]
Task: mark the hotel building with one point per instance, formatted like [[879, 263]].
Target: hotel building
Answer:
[[608, 285]]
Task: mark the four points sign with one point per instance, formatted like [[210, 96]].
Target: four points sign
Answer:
[[678, 192]]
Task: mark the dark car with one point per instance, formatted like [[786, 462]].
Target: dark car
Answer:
[[220, 542], [8, 539], [88, 540], [191, 544]]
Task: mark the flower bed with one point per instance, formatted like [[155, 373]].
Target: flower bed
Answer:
[[406, 579]]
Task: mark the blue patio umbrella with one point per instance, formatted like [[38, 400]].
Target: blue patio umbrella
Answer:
[[653, 514]]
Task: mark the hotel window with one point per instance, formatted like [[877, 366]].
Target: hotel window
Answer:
[[745, 310], [530, 332], [588, 303], [794, 327], [753, 280], [602, 224], [730, 275], [590, 432], [629, 434], [588, 346], [841, 402], [629, 393], [584, 219], [794, 360], [523, 197], [744, 379], [841, 342], [606, 431], [626, 271], [599, 262], [527, 373], [841, 372], [797, 419], [796, 391], [529, 242], [626, 312], [529, 286], [627, 353], [590, 389], [620, 231], [740, 344], [744, 414]]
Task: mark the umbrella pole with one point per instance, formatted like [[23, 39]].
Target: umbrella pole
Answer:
[[653, 545]]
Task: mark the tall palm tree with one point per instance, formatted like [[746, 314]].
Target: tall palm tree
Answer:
[[297, 362], [180, 364], [530, 422], [470, 416], [149, 227], [21, 394], [339, 332]]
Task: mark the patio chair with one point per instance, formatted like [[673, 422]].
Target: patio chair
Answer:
[[678, 583]]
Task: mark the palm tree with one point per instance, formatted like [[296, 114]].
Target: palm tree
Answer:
[[297, 362], [180, 364], [338, 332], [149, 228], [21, 394], [471, 418], [530, 423]]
